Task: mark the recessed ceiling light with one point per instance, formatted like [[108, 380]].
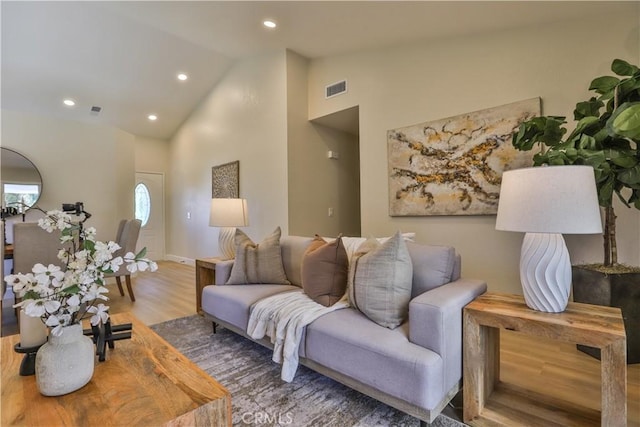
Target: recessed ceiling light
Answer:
[[182, 76], [152, 117], [69, 102], [269, 23]]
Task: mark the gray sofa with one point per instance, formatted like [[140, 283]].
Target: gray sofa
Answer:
[[416, 367]]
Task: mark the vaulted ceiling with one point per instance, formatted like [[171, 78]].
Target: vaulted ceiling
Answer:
[[124, 56]]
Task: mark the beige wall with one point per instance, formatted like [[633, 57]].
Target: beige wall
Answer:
[[152, 155], [400, 86], [78, 162], [317, 183], [243, 118]]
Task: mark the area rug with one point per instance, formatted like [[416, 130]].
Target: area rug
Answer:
[[260, 397]]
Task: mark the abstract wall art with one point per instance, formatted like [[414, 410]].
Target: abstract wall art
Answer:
[[453, 166], [225, 180]]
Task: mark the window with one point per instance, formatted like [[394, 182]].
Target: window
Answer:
[[142, 203], [19, 195]]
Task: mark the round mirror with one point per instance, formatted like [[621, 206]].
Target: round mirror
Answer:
[[20, 183]]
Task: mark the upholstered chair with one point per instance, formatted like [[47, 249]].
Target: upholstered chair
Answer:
[[127, 238], [32, 245]]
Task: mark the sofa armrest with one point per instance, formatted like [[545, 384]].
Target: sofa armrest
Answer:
[[435, 322], [223, 271]]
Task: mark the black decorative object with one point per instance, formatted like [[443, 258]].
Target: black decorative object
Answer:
[[28, 364], [105, 334]]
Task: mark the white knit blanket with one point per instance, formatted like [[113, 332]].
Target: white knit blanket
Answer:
[[283, 317]]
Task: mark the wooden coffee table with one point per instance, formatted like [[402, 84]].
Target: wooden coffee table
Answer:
[[143, 382]]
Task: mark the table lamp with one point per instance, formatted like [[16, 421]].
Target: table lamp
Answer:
[[546, 202], [228, 214]]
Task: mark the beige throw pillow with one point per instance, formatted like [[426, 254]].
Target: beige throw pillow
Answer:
[[324, 271], [258, 263], [380, 281]]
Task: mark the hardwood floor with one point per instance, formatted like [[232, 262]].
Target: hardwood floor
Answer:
[[167, 294], [545, 366]]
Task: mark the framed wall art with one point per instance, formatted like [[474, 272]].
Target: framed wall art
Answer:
[[453, 166], [225, 180]]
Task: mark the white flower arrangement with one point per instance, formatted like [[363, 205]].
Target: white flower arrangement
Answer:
[[63, 296]]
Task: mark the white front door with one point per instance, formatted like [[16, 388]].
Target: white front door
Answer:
[[149, 208]]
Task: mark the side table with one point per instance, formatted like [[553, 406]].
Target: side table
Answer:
[[205, 275], [488, 401]]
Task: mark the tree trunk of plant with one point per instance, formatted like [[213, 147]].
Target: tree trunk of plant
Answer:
[[610, 245]]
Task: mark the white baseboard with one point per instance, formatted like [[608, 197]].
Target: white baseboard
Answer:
[[181, 260]]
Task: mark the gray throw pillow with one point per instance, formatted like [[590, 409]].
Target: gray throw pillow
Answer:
[[258, 263], [380, 281]]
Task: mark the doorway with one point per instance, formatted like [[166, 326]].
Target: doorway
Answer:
[[149, 208]]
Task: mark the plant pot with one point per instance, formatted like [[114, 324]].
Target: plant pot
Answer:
[[65, 363], [613, 290]]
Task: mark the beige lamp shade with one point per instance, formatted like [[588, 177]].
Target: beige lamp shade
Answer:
[[228, 213], [549, 199]]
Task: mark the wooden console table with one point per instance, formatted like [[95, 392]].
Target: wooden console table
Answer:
[[205, 275], [143, 382], [489, 402]]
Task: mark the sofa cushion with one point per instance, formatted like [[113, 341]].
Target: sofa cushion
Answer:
[[293, 249], [232, 304], [380, 281], [258, 263], [432, 266], [349, 343], [324, 271]]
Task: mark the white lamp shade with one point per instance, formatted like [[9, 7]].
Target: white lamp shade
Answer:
[[549, 199], [228, 213]]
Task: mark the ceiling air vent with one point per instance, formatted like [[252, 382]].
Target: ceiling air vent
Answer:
[[95, 110], [335, 89]]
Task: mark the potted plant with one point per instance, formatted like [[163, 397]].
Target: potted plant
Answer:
[[606, 136]]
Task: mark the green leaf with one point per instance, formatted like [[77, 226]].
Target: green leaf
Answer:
[[625, 121], [572, 154], [546, 129], [585, 124], [604, 84], [588, 108], [593, 158], [31, 295], [630, 176], [540, 159], [623, 68], [587, 142], [605, 192], [557, 158], [89, 245], [626, 89], [142, 253], [73, 289], [620, 159]]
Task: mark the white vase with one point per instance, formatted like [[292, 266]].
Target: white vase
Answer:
[[65, 363]]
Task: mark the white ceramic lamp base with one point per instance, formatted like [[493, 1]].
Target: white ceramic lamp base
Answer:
[[545, 272], [226, 242]]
